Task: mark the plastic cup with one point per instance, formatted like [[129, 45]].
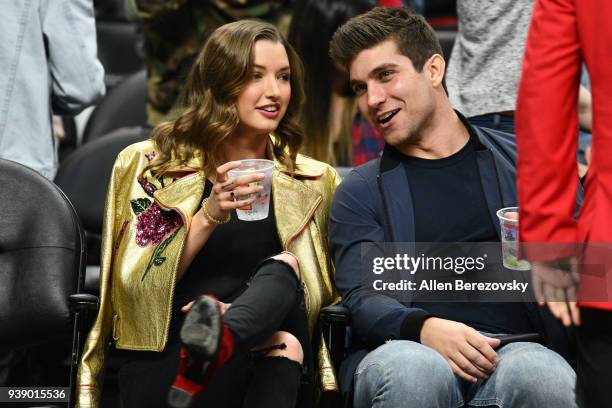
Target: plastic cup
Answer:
[[258, 210], [509, 222]]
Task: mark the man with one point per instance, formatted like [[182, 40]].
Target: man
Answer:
[[486, 92], [434, 164], [563, 35], [48, 56]]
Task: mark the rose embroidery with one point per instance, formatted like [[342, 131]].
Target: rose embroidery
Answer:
[[147, 186], [153, 224]]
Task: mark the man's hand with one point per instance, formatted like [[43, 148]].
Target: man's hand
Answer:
[[567, 312], [556, 283], [469, 353]]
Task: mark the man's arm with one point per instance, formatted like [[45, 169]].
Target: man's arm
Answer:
[[77, 77], [353, 221], [547, 125], [547, 137]]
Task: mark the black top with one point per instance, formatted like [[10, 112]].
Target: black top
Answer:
[[228, 260], [448, 199], [450, 206]]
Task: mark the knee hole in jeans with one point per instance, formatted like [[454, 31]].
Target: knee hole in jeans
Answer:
[[290, 260], [282, 344]]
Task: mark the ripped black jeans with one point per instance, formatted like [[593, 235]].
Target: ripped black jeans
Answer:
[[273, 301]]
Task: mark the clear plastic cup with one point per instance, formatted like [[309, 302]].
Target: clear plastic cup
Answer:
[[509, 222], [258, 210]]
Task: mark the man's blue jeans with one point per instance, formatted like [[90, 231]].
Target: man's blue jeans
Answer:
[[406, 374]]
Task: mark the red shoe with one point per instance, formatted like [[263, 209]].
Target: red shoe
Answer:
[[207, 345]]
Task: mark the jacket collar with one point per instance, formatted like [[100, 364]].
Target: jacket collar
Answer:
[[183, 195], [294, 205], [497, 175], [391, 157], [294, 202]]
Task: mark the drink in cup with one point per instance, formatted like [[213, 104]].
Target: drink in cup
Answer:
[[258, 210], [509, 222]]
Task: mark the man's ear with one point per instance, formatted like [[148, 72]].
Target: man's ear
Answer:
[[435, 68]]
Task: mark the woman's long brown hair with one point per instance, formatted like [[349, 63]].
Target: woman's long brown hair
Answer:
[[209, 113]]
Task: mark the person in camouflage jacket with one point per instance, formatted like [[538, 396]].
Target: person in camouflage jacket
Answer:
[[174, 32]]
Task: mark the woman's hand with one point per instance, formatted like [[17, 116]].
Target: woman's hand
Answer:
[[227, 194], [216, 209]]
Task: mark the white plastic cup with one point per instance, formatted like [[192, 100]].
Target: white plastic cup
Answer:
[[509, 222], [258, 210]]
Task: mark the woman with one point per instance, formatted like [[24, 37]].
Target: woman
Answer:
[[335, 132], [171, 235]]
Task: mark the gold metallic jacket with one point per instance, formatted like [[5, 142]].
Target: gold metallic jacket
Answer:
[[142, 244]]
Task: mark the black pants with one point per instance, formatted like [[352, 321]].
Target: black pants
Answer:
[[594, 341], [273, 301]]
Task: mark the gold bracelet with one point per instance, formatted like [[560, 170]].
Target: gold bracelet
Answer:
[[210, 217]]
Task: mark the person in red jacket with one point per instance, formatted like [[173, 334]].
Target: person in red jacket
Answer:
[[565, 34]]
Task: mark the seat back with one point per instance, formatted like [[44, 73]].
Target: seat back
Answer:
[[85, 174], [123, 106], [42, 258], [119, 49]]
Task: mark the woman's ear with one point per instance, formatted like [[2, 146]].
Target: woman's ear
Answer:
[[435, 68]]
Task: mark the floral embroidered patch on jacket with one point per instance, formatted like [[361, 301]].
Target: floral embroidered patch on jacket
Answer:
[[154, 225]]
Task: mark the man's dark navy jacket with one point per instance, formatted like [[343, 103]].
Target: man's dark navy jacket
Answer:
[[373, 204]]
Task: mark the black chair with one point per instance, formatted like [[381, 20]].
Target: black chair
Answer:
[[335, 322], [120, 49], [123, 106], [42, 263], [70, 140], [84, 177]]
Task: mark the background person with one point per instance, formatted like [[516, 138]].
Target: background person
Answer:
[[563, 35], [49, 66], [174, 31], [336, 132], [483, 70]]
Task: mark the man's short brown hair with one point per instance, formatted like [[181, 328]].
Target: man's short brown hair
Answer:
[[413, 35]]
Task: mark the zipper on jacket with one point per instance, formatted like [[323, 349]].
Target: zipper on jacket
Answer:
[[116, 327], [172, 289]]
